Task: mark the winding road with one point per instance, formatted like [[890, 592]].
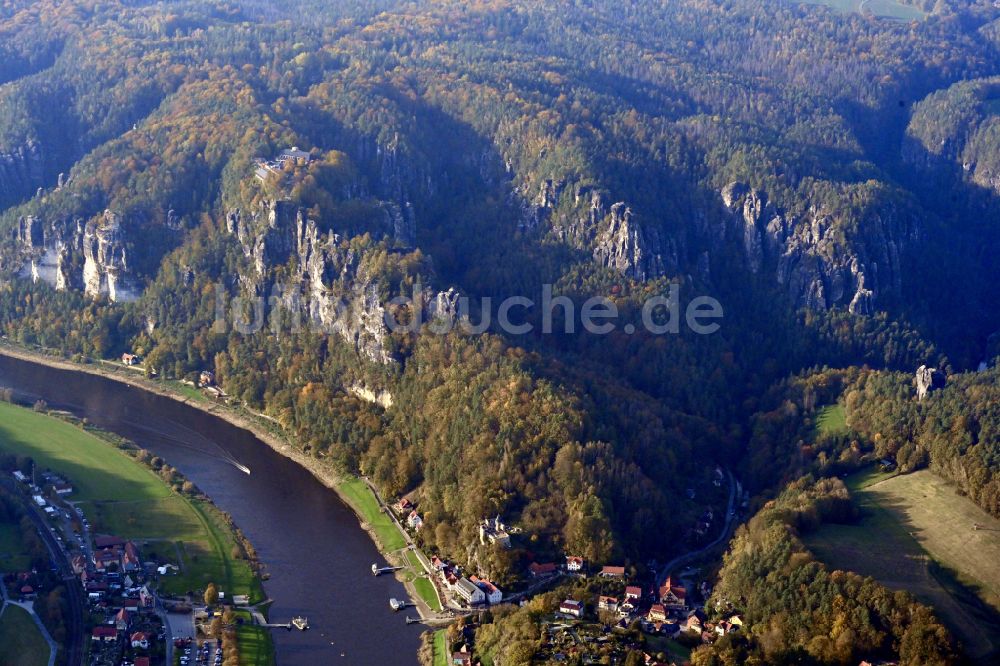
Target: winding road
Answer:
[[727, 531]]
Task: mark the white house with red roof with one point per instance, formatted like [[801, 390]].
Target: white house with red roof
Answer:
[[673, 596], [572, 608]]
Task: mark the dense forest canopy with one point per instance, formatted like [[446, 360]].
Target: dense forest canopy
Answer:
[[830, 178]]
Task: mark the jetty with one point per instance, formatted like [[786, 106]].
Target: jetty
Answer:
[[397, 605], [378, 571]]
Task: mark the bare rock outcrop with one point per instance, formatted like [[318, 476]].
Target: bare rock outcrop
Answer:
[[72, 254], [329, 286], [811, 255], [928, 380]]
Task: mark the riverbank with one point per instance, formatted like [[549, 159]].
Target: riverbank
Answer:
[[267, 431]]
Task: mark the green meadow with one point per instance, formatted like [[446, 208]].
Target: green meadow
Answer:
[[122, 497], [21, 644], [917, 534]]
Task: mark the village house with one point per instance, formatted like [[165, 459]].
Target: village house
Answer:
[[469, 592], [657, 613], [449, 576], [130, 558], [438, 564], [633, 592], [20, 476], [574, 564], [609, 604], [140, 639], [104, 634], [461, 658], [63, 488], [627, 606], [206, 378], [673, 596], [571, 608], [542, 570], [414, 521], [492, 592], [123, 619], [693, 623], [612, 572], [130, 359], [724, 627]]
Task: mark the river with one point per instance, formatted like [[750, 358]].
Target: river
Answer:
[[310, 542]]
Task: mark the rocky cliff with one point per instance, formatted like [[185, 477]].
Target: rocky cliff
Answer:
[[614, 235], [329, 284], [928, 380], [90, 256], [814, 256]]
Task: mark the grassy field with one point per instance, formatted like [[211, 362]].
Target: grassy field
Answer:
[[916, 534], [364, 502], [425, 588], [831, 420], [122, 497], [944, 523], [256, 648], [881, 8], [441, 648], [21, 644]]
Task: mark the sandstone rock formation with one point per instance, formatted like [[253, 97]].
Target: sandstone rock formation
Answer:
[[928, 380], [71, 254], [329, 287], [811, 256]]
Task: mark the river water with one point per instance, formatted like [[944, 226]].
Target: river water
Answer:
[[318, 556]]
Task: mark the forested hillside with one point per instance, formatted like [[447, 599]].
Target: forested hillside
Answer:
[[827, 177]]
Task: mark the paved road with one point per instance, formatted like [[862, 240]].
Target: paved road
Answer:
[[62, 559], [727, 530]]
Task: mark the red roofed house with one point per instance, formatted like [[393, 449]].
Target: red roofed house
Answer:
[[633, 592], [607, 604], [574, 563], [673, 596], [613, 572], [538, 570], [106, 634], [462, 658], [123, 620], [657, 613], [572, 608], [130, 559], [140, 639]]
